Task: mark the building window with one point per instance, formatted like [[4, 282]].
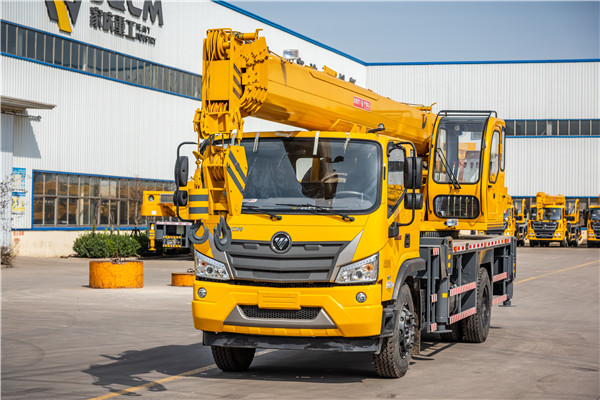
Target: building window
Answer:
[[50, 49], [84, 200]]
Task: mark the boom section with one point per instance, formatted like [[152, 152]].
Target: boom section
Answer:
[[242, 78]]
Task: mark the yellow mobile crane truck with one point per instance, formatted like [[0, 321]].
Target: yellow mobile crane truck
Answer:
[[593, 225], [164, 234], [344, 236], [557, 221]]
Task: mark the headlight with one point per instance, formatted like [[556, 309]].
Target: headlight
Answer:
[[557, 234], [207, 267], [362, 271], [591, 234]]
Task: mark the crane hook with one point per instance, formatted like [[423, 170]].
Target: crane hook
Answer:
[[222, 238]]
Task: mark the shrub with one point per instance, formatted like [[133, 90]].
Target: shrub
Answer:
[[7, 256], [106, 245]]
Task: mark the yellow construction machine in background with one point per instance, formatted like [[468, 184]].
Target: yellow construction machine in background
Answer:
[[557, 220]]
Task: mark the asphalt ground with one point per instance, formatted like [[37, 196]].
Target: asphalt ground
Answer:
[[64, 340]]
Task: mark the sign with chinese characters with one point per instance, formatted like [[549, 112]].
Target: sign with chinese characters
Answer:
[[18, 190], [114, 21], [362, 103]]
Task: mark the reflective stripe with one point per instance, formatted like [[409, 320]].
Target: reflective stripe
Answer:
[[198, 197], [235, 180], [235, 163]]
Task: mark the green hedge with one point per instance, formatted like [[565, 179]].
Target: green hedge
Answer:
[[108, 245]]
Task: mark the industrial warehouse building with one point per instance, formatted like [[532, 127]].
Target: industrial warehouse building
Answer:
[[97, 95]]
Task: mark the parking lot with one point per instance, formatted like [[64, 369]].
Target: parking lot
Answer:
[[64, 340]]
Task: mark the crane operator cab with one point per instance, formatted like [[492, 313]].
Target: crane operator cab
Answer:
[[466, 180]]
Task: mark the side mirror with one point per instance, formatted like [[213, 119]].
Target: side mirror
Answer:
[[181, 171], [413, 201], [413, 173]]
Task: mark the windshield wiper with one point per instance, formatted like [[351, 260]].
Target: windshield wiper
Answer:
[[450, 174], [319, 208], [261, 211]]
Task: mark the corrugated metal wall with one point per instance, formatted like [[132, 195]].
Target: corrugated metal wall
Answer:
[[515, 91], [560, 165], [105, 127]]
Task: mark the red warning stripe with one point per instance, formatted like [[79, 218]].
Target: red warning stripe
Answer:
[[432, 328], [435, 251], [488, 243], [499, 277], [463, 288], [459, 248], [462, 315], [499, 299], [434, 298]]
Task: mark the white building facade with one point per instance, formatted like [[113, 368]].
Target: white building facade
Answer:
[[96, 95]]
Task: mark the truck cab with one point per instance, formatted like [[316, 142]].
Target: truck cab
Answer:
[[593, 225], [556, 222]]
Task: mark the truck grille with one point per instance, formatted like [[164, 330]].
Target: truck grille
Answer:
[[544, 230], [304, 262], [595, 227], [456, 206], [267, 313]]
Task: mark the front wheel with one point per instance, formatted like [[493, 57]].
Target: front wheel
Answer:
[[232, 358], [477, 326], [396, 351]]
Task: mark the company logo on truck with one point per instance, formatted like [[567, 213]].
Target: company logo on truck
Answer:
[[281, 242]]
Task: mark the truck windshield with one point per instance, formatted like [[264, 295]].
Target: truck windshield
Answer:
[[551, 214], [293, 175], [458, 150], [595, 214]]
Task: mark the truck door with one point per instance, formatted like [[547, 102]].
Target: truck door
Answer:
[[493, 200]]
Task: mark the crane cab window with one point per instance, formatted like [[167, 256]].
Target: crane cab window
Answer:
[[495, 157], [458, 150]]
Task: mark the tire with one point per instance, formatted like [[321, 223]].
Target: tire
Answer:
[[532, 243], [232, 358], [477, 326], [563, 243], [396, 350], [455, 336]]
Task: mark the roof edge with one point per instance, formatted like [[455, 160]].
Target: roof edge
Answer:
[[286, 30]]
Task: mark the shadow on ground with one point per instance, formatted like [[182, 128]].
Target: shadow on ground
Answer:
[[140, 367]]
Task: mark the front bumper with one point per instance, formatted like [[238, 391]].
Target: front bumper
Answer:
[[340, 314]]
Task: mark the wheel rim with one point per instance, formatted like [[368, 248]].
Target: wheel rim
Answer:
[[406, 331], [485, 306]]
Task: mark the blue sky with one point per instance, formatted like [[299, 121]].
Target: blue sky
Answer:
[[428, 31]]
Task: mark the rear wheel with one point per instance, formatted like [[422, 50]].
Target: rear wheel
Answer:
[[232, 358], [477, 326], [396, 350], [532, 243]]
